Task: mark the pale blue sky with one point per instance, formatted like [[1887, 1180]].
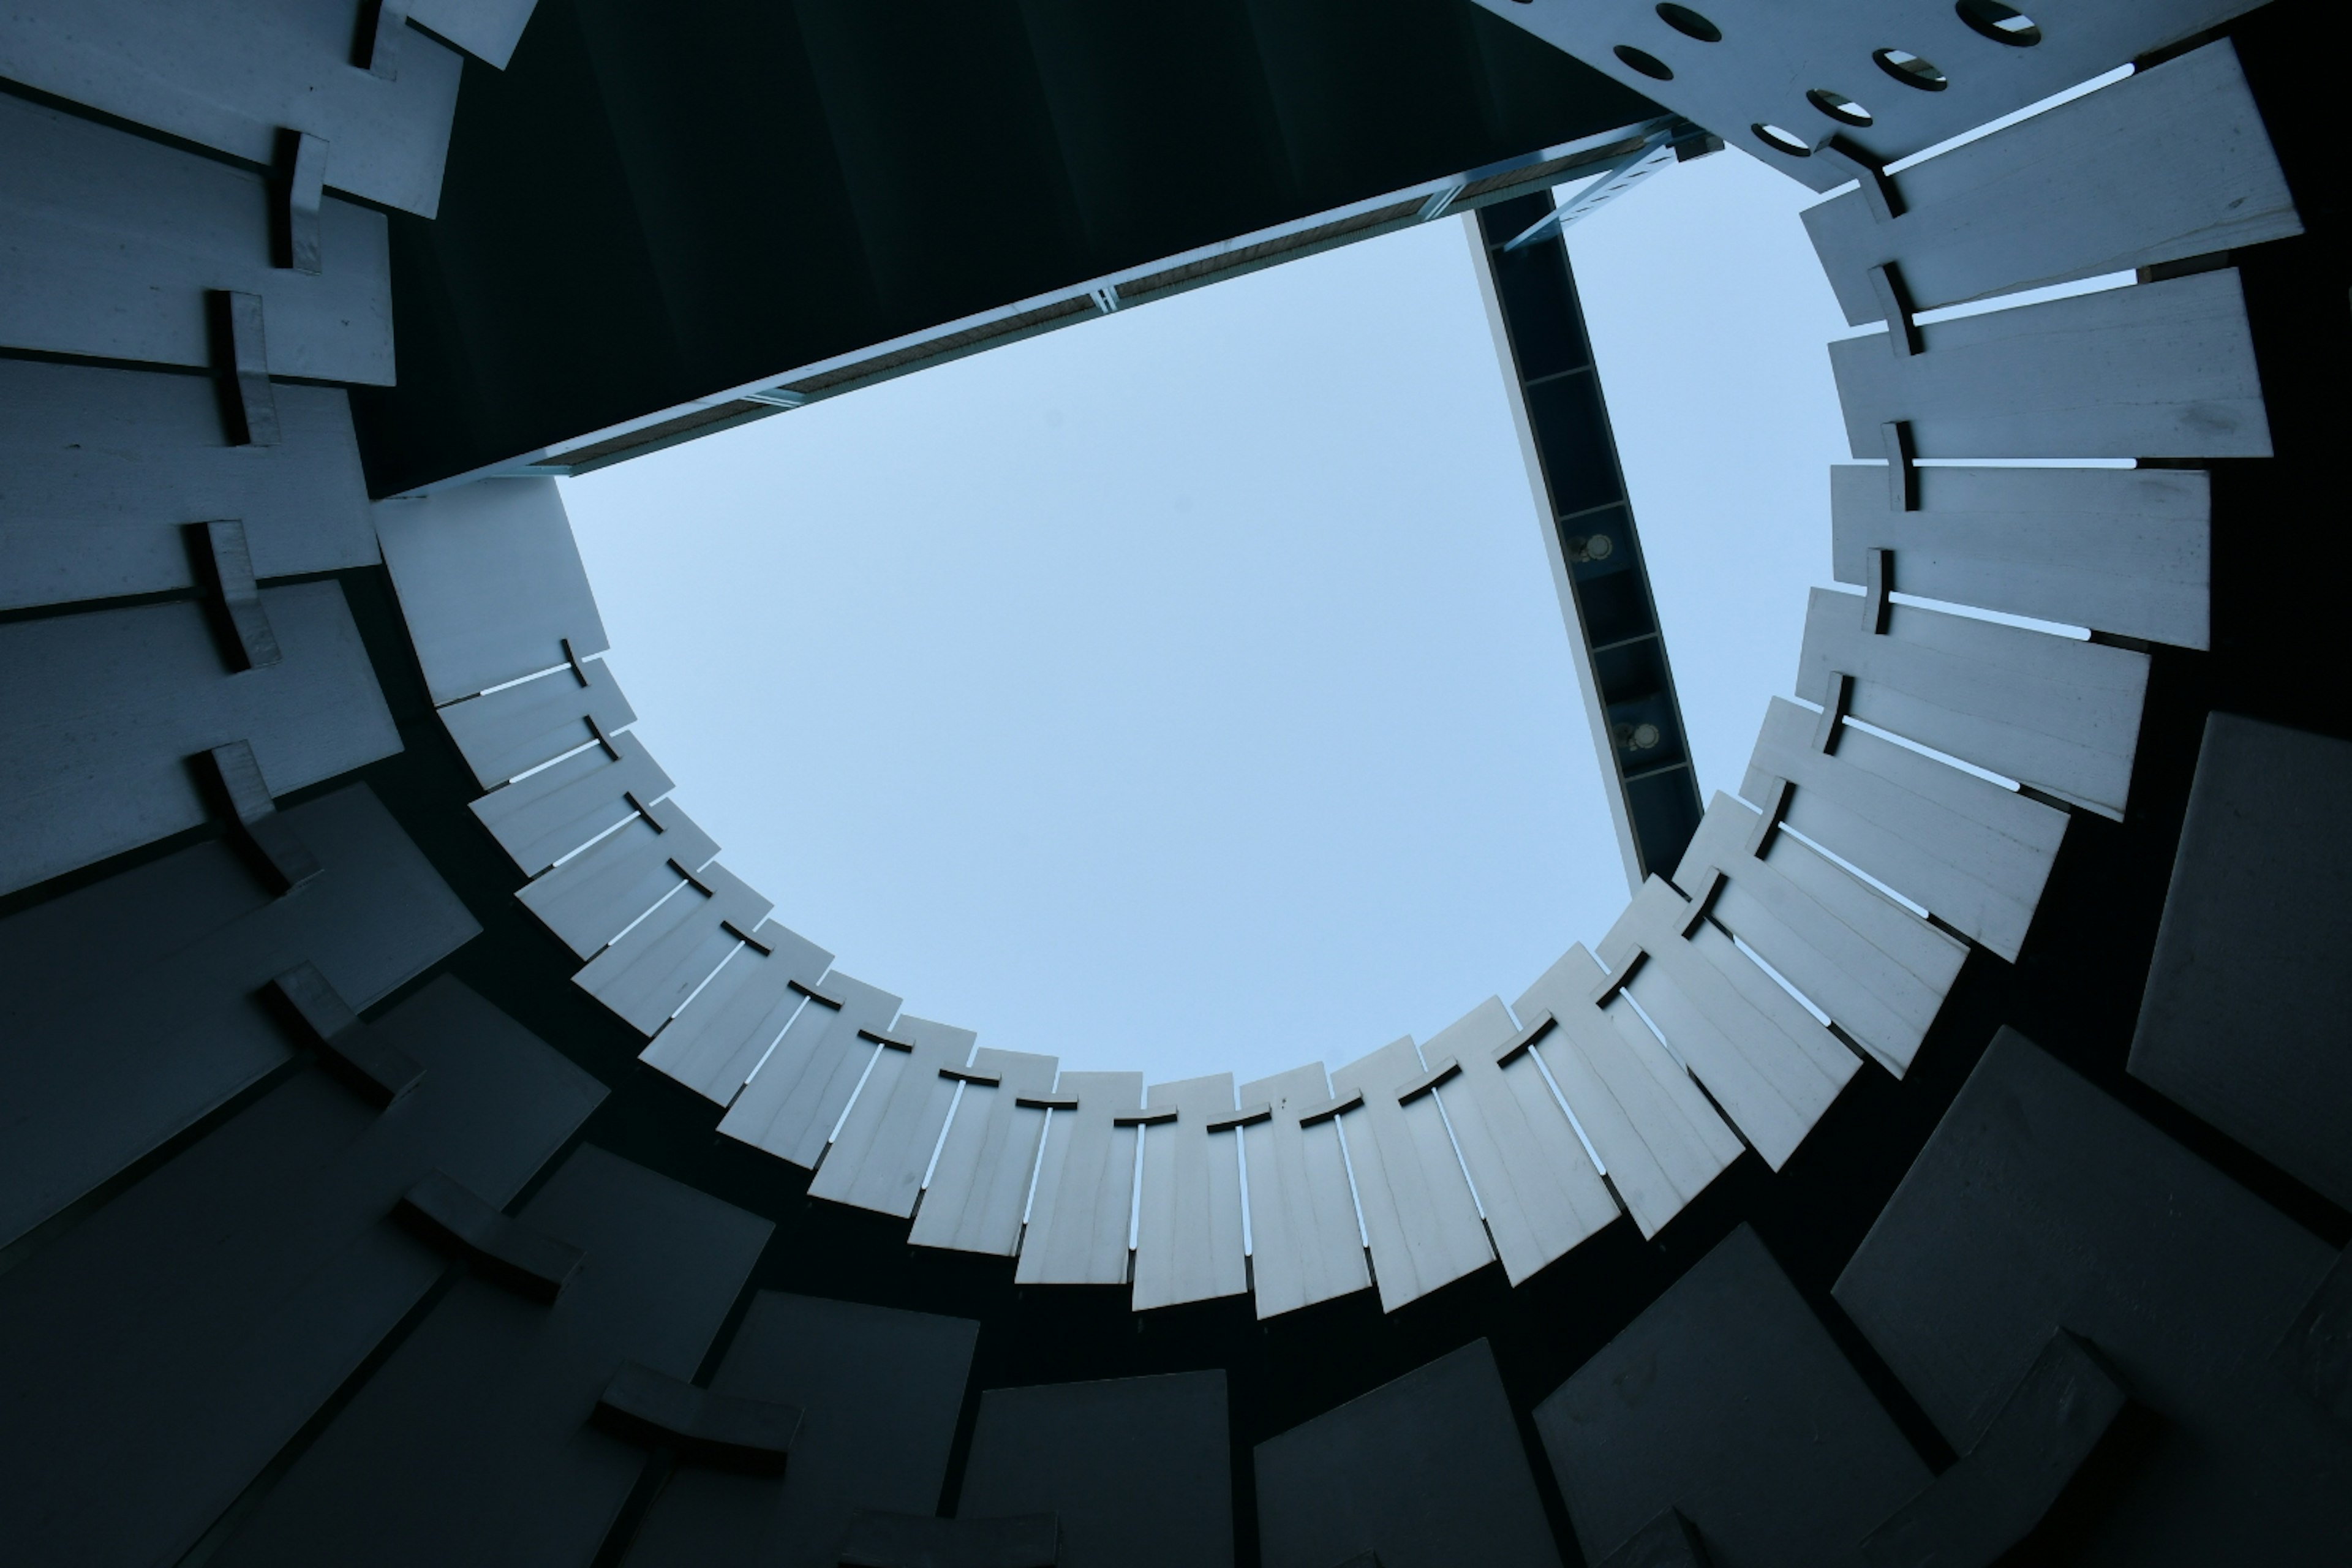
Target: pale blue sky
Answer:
[[1186, 691]]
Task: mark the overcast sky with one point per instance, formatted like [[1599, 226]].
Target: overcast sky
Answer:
[[1186, 691]]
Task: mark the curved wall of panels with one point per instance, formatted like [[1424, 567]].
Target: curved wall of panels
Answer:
[[419, 1147]]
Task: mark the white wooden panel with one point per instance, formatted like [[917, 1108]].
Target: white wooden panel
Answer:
[[1417, 1207], [2125, 551], [1085, 1185], [2154, 369], [884, 1145], [540, 820], [1659, 1140], [490, 583], [2168, 164], [2047, 710], [725, 1031], [1540, 1191], [1875, 968], [229, 74], [1972, 853], [980, 1185], [800, 1089], [1305, 1244], [1770, 57], [1189, 1230]]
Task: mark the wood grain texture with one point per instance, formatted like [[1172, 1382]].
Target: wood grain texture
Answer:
[[1658, 1140], [2123, 551], [2153, 369], [102, 469], [1188, 1225], [116, 242], [799, 1089], [1305, 1242], [102, 711], [490, 581], [2050, 711], [1085, 1185], [724, 1033], [1971, 853], [1416, 1204], [227, 74], [2165, 164]]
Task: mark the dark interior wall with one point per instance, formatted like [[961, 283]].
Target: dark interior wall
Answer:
[[656, 203]]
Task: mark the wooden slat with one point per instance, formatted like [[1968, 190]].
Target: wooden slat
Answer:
[[2047, 710], [591, 897], [100, 712], [2154, 370], [229, 74], [1085, 1185], [1659, 1140], [106, 467], [1417, 1209], [2241, 1021], [1972, 853], [1427, 1471], [884, 1145], [187, 1330], [1727, 1400], [796, 1094], [2040, 1200], [878, 1391], [128, 1009], [472, 1443], [1189, 1233], [540, 820], [115, 243], [490, 581], [649, 972], [1880, 972], [725, 1031], [980, 1185], [2165, 164], [1305, 1245], [2125, 551], [1772, 1068], [507, 732], [1541, 1191]]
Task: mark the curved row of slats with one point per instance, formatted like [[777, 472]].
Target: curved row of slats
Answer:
[[194, 1327], [1860, 868], [1657, 1063], [1636, 1082]]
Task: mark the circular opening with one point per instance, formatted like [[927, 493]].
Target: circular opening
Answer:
[[1638, 737], [1690, 24], [1838, 107], [2001, 24], [1598, 547], [1910, 70], [1781, 140], [1648, 64]]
